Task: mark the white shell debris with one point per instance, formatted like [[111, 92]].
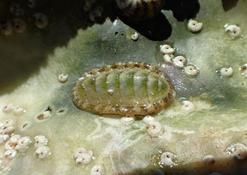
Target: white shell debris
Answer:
[[23, 144], [237, 150], [42, 152], [62, 78], [10, 154], [83, 156], [168, 159], [135, 36], [191, 70], [243, 70], [166, 49], [233, 30], [168, 57], [179, 61], [188, 106], [8, 108], [40, 140], [7, 127], [194, 26], [3, 138], [126, 121], [226, 71], [97, 170], [154, 128]]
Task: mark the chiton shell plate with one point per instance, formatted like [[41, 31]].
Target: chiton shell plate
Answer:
[[125, 89]]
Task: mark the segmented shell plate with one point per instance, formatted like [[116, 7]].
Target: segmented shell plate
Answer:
[[140, 9], [134, 89]]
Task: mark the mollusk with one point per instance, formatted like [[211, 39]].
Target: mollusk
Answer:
[[125, 89]]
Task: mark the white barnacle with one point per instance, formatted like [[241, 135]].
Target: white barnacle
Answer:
[[209, 159], [243, 70], [19, 110], [168, 159], [7, 108], [97, 170], [3, 138], [194, 26], [135, 36], [154, 129], [179, 61], [40, 140], [83, 156], [19, 25], [10, 154], [62, 78], [167, 49], [23, 144], [191, 70], [127, 121], [7, 127], [40, 20], [226, 71], [42, 152], [188, 106], [12, 142], [237, 150], [168, 57], [6, 28], [147, 119], [233, 30]]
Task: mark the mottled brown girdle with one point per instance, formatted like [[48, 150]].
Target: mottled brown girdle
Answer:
[[115, 101]]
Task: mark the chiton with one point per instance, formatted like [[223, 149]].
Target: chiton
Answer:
[[125, 89]]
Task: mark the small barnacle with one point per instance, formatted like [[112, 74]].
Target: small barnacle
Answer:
[[12, 142], [97, 170], [188, 106], [209, 159], [243, 70], [167, 49], [40, 140], [62, 78], [8, 108], [168, 159], [154, 128], [226, 72], [233, 30], [147, 119], [6, 28], [10, 154], [134, 36], [31, 3], [40, 20], [23, 143], [7, 127], [168, 57], [83, 156], [16, 9], [237, 150], [43, 116], [179, 61], [19, 25], [194, 26], [126, 121], [19, 110], [42, 152], [3, 138], [191, 70]]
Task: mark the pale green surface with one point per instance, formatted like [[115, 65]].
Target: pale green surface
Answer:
[[220, 117]]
